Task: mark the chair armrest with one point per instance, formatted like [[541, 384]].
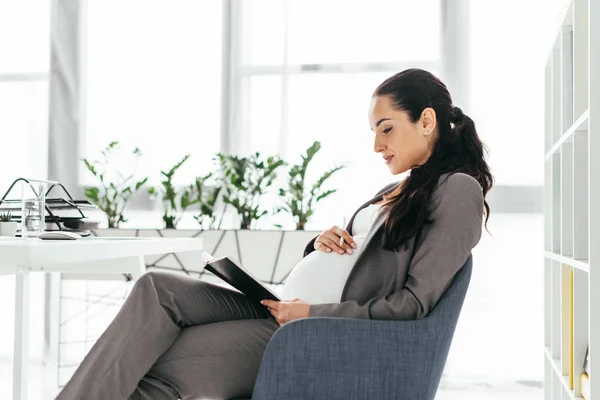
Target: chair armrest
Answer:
[[343, 358]]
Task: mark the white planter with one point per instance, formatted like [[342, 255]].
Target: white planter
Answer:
[[8, 229], [268, 254]]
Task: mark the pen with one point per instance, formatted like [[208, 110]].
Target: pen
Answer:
[[341, 237]]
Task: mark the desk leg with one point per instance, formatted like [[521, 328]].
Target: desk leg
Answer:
[[21, 348], [137, 267], [51, 318]]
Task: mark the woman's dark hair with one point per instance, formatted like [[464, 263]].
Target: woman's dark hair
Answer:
[[457, 149]]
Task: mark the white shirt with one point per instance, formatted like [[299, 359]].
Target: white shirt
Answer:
[[320, 277]]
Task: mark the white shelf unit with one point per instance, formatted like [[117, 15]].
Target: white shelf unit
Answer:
[[572, 203]]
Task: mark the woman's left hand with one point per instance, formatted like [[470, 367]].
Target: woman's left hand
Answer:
[[287, 310]]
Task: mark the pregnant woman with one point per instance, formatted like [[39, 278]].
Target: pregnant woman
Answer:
[[177, 337]]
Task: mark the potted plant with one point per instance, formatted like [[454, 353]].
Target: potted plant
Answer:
[[113, 193], [174, 203], [246, 180], [206, 194], [242, 183], [7, 227], [299, 197]]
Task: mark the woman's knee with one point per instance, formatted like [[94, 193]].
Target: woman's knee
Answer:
[[166, 285], [157, 282], [159, 279], [150, 278]]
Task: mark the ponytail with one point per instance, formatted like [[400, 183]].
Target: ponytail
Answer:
[[474, 151]]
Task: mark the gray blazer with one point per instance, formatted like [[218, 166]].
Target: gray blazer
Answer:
[[407, 284]]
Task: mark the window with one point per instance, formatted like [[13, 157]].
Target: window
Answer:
[[24, 88], [24, 131], [308, 73], [507, 96], [154, 81], [338, 31], [25, 37]]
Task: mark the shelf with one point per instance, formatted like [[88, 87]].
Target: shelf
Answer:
[[571, 182], [582, 265], [563, 379], [566, 15], [581, 125]]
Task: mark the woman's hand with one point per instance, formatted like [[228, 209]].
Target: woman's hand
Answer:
[[287, 310], [329, 241]]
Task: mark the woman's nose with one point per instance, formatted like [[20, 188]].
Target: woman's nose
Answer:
[[377, 146]]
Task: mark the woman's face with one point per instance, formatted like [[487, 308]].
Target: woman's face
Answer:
[[402, 144]]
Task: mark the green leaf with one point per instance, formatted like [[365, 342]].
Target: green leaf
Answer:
[[325, 177], [325, 194], [312, 151], [177, 166], [92, 194], [185, 200], [141, 183], [90, 167], [280, 209]]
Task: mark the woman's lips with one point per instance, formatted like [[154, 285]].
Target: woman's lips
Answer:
[[388, 159]]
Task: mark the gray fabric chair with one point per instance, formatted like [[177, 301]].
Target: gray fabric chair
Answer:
[[342, 358]]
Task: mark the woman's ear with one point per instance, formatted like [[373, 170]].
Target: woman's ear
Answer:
[[428, 121]]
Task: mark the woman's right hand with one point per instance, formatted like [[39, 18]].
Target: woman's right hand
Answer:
[[329, 241]]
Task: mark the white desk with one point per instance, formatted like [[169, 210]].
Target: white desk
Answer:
[[89, 255]]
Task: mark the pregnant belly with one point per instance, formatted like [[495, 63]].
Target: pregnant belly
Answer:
[[320, 277]]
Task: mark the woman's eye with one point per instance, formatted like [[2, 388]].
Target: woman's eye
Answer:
[[387, 130]]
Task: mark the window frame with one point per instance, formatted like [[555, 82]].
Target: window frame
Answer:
[[235, 101]]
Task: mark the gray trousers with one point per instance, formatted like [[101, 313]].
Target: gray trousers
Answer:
[[176, 337]]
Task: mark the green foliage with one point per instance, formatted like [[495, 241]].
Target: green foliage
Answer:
[[5, 216], [206, 194], [112, 197], [245, 181], [298, 200], [240, 181], [174, 203]]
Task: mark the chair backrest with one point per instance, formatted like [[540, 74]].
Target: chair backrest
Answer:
[[443, 319]]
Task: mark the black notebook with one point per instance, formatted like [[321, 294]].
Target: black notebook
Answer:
[[238, 277]]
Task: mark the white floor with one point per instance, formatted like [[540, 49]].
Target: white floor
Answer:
[[497, 351], [43, 380]]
